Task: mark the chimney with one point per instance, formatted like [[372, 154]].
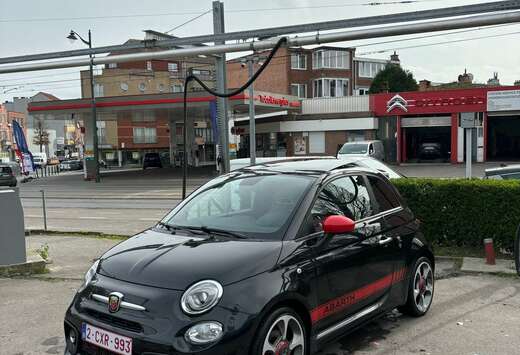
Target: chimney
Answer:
[[425, 85], [494, 81], [394, 58]]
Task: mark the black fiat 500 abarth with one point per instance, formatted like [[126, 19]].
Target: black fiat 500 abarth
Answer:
[[273, 259]]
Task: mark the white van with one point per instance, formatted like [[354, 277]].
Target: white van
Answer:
[[40, 159], [373, 149]]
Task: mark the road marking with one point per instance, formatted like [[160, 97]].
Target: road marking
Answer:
[[88, 217]]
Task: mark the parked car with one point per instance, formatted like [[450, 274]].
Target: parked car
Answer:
[[69, 165], [373, 149], [40, 160], [506, 172], [430, 150], [152, 160], [277, 258], [10, 174]]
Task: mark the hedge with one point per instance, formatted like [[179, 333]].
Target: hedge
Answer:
[[463, 212]]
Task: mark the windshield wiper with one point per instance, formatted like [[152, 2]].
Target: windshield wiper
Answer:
[[173, 228], [223, 232]]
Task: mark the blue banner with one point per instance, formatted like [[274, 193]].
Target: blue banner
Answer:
[[22, 150], [214, 120]]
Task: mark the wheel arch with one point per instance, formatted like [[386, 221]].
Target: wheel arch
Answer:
[[292, 300]]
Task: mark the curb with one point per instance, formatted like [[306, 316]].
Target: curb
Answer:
[[34, 232], [35, 264]]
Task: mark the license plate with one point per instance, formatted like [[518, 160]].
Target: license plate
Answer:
[[106, 340]]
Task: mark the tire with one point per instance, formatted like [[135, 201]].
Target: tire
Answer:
[[420, 289], [517, 251], [269, 340]]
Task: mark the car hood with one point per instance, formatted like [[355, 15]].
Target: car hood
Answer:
[[172, 261]]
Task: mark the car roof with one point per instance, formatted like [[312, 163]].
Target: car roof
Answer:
[[311, 166], [362, 142], [503, 170]]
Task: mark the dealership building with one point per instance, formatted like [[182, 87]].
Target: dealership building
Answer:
[[405, 122]]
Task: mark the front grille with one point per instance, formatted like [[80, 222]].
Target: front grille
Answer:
[[115, 321]]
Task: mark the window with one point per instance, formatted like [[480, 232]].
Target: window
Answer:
[[331, 59], [177, 88], [173, 67], [370, 69], [385, 198], [144, 135], [143, 116], [101, 132], [362, 91], [99, 90], [299, 90], [330, 87], [142, 87], [347, 196], [298, 61], [201, 72], [149, 65], [112, 65]]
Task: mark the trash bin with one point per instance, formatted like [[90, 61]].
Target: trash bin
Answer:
[[12, 231]]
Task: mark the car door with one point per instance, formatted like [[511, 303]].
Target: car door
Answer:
[[354, 271]]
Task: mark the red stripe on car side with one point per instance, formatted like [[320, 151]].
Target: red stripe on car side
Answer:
[[338, 304]]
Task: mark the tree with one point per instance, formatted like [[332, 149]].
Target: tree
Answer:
[[41, 136], [393, 79]]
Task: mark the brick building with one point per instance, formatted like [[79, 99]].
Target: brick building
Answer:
[[310, 73], [7, 144], [321, 77], [124, 136]]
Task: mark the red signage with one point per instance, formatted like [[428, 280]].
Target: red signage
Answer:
[[271, 100], [431, 102]]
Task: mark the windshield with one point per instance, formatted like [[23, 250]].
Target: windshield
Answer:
[[354, 148], [257, 206]]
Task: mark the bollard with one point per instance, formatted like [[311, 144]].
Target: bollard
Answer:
[[490, 251], [44, 211]]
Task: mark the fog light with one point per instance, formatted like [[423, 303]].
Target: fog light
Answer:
[[204, 333]]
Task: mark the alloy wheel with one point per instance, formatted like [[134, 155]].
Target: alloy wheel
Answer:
[[285, 337], [423, 286]]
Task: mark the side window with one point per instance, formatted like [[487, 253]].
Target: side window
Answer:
[[347, 196], [385, 197]]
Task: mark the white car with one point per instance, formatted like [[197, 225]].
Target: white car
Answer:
[[372, 149]]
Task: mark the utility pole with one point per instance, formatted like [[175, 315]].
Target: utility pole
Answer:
[[252, 128], [220, 67]]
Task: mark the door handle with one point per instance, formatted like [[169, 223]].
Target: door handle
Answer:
[[385, 240]]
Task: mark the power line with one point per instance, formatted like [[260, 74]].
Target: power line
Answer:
[[439, 43], [189, 21], [292, 8]]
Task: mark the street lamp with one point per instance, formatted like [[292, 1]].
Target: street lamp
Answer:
[[74, 36]]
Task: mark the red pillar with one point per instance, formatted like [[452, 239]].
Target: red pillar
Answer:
[[454, 137], [485, 128], [403, 151], [399, 139]]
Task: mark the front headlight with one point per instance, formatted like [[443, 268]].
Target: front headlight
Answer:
[[91, 272], [201, 297]]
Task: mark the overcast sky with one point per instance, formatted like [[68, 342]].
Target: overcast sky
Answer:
[[35, 26]]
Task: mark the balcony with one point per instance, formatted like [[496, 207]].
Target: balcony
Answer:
[[336, 105]]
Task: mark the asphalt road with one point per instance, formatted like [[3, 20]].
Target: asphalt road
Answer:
[[470, 315]]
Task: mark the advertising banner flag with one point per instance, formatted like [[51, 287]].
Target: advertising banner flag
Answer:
[[22, 150]]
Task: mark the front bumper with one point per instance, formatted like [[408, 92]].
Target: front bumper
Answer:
[[160, 329]]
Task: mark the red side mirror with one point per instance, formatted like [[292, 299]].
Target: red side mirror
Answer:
[[338, 225]]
